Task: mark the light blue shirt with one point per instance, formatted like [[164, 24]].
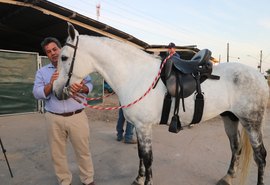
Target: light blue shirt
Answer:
[[52, 104]]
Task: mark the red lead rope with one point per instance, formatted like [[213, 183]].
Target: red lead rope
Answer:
[[92, 99], [128, 105]]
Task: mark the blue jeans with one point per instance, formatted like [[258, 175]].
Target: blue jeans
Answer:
[[107, 87], [120, 128]]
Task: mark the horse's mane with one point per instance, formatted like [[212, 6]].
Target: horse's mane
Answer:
[[108, 43]]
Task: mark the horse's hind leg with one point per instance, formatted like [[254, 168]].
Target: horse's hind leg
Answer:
[[231, 123], [254, 130], [259, 156], [144, 137]]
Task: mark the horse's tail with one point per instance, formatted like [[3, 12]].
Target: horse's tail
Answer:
[[245, 157]]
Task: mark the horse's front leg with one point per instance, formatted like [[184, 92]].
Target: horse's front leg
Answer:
[[144, 137]]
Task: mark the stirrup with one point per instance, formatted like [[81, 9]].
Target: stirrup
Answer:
[[175, 125]]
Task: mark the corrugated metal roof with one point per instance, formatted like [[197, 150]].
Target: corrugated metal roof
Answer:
[[25, 23]]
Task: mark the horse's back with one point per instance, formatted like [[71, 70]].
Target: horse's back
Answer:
[[240, 76], [247, 88]]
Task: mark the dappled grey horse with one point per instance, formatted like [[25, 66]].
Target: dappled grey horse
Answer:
[[240, 95]]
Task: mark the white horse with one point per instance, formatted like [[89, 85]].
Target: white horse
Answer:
[[241, 94]]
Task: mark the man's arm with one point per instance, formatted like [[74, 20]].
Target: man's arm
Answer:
[[48, 87], [38, 89]]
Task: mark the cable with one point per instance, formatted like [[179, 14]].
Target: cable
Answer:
[[135, 19]]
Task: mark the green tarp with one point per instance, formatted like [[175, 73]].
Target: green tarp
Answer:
[[17, 71]]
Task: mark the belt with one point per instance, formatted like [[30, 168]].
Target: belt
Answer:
[[66, 114]]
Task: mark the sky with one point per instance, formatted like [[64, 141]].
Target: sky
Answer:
[[243, 25]]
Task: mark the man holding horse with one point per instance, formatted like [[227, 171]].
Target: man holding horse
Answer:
[[65, 119]]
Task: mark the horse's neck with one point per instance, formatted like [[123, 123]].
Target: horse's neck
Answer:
[[129, 73]]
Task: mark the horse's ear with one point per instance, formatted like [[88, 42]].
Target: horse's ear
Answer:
[[71, 31]]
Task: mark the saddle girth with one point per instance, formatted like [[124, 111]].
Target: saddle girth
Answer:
[[199, 103], [175, 125]]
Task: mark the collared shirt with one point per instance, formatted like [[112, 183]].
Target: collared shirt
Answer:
[[52, 104]]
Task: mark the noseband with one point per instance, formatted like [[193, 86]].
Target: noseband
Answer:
[[72, 63]]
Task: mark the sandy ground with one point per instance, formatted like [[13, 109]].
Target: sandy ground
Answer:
[[196, 156]]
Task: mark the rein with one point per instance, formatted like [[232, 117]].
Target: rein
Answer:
[[130, 104]]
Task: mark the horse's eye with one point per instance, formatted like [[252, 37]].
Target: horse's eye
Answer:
[[64, 58]]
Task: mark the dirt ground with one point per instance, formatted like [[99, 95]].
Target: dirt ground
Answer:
[[196, 156]]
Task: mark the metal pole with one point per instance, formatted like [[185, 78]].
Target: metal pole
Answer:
[[227, 52], [260, 61], [4, 152]]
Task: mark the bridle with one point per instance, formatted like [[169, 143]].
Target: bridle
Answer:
[[72, 64]]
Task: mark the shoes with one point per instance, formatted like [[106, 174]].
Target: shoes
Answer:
[[119, 138], [92, 183], [132, 141]]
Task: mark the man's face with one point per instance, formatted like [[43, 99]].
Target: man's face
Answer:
[[170, 50], [52, 52]]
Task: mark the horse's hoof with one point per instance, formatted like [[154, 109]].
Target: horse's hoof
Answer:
[[148, 183], [222, 182], [226, 180], [138, 181]]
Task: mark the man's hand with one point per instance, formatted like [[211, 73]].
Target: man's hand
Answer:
[[54, 76], [78, 88], [48, 87]]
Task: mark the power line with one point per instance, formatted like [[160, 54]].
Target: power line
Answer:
[[135, 11], [140, 21], [129, 16]]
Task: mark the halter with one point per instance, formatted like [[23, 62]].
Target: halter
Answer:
[[72, 64]]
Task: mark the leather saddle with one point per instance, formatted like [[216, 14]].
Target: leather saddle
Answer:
[[185, 71], [182, 78]]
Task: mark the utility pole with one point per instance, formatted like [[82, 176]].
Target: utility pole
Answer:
[[98, 10], [227, 52], [260, 65]]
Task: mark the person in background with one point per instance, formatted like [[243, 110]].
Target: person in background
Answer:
[[65, 119], [128, 137], [171, 50], [107, 88]]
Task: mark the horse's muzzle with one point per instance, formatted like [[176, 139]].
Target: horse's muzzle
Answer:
[[63, 94]]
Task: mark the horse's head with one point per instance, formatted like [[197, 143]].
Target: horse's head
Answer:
[[72, 64]]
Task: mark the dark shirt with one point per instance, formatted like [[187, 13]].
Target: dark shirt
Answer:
[[176, 55]]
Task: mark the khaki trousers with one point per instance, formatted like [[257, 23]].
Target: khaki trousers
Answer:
[[76, 129]]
